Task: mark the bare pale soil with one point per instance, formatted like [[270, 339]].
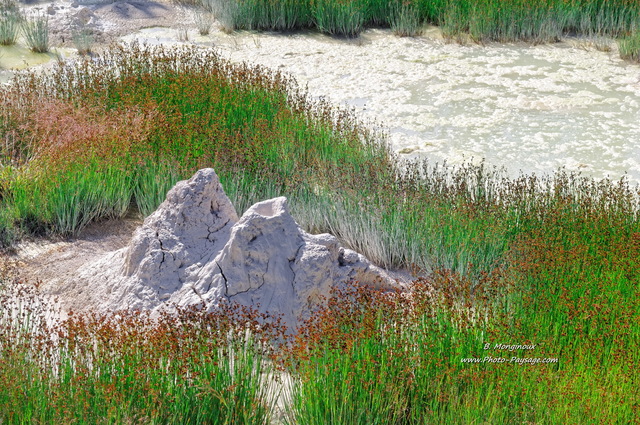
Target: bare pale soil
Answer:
[[106, 21], [54, 261]]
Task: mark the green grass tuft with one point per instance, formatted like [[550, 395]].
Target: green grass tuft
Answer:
[[342, 18], [36, 33], [630, 47], [536, 21], [191, 367], [405, 19], [9, 26]]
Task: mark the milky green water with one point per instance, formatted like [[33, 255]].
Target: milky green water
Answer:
[[18, 57]]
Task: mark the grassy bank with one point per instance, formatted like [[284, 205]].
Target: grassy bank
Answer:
[[537, 21], [547, 262], [567, 290], [184, 368], [482, 20]]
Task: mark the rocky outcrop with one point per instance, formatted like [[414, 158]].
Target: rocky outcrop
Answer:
[[194, 250], [269, 261], [194, 222]]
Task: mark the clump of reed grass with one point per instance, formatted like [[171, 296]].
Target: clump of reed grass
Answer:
[[36, 32], [629, 47], [217, 104], [182, 34], [274, 15], [454, 21], [543, 260], [539, 21], [8, 233], [83, 40], [203, 21], [80, 181], [10, 20], [188, 3], [405, 19], [342, 18], [282, 145], [400, 358], [154, 180], [339, 351], [224, 12]]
